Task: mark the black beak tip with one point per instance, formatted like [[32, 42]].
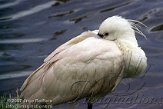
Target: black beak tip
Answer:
[[100, 35]]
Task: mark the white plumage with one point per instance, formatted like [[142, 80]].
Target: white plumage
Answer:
[[88, 66]]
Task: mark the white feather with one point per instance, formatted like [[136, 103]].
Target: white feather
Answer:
[[88, 66]]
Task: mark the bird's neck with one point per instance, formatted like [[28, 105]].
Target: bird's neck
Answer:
[[127, 42], [127, 38], [128, 47]]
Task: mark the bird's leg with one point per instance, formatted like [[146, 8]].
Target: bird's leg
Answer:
[[89, 105]]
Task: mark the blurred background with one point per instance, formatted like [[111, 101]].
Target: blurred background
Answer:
[[31, 29]]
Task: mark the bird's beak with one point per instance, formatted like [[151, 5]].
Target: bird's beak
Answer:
[[101, 35]]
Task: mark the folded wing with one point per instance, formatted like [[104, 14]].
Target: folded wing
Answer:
[[83, 67]]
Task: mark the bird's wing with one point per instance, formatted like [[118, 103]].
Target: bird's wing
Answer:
[[86, 68], [70, 43], [43, 68]]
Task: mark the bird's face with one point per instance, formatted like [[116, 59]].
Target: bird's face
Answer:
[[114, 28]]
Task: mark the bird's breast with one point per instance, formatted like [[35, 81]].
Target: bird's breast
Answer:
[[134, 58]]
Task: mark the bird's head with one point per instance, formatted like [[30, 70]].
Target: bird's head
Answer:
[[116, 27]]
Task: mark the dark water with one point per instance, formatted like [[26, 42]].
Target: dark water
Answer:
[[31, 29]]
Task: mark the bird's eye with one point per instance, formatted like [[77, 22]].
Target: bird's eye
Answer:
[[106, 34]]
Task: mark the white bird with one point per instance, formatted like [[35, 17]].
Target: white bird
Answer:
[[88, 66]]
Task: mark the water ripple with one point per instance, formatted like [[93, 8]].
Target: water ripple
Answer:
[[115, 7], [20, 41], [14, 75], [157, 28], [10, 4], [31, 11]]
